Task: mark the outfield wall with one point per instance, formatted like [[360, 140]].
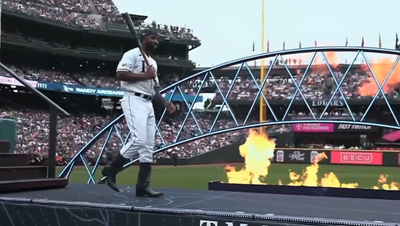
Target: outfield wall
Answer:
[[230, 154], [226, 154]]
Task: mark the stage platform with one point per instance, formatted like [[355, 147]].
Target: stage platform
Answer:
[[82, 204]]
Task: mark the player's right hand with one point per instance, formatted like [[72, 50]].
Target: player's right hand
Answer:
[[150, 74]]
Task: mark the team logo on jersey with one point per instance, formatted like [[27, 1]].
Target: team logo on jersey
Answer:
[[127, 66]]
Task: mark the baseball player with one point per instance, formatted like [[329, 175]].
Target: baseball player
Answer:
[[139, 84]]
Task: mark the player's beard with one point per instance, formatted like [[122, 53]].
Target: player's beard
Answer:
[[152, 47]]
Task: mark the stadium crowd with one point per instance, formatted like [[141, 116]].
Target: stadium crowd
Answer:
[[74, 132], [244, 88], [34, 131], [88, 14], [313, 86]]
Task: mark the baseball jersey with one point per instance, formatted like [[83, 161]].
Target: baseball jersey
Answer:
[[133, 61]]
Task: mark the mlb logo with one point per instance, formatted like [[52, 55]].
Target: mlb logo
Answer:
[[314, 156], [279, 156]]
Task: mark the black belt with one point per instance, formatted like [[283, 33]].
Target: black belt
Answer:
[[144, 96]]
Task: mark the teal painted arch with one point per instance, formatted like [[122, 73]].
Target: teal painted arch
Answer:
[[112, 125]]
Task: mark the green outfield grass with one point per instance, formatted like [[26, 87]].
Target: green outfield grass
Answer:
[[197, 177]]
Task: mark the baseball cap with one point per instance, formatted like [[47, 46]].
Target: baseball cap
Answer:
[[146, 33]]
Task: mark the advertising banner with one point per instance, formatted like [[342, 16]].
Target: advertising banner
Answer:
[[392, 136], [354, 128], [108, 92], [13, 82], [295, 156], [105, 92], [335, 156], [313, 128], [356, 157]]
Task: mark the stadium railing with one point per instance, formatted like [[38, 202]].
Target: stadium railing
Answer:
[[55, 110]]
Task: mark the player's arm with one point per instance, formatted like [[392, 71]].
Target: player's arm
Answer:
[[125, 69], [131, 77], [158, 99], [159, 104]]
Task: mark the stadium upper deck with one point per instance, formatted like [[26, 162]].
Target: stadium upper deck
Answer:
[[79, 29], [90, 15]]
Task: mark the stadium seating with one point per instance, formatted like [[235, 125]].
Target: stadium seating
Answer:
[[88, 14], [85, 126]]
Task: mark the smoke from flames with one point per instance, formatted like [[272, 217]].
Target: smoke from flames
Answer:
[[381, 69], [369, 86], [319, 67]]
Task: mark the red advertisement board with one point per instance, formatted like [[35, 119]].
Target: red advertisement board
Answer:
[[356, 158]]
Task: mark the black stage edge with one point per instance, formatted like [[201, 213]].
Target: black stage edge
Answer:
[[32, 185], [303, 190], [97, 205]]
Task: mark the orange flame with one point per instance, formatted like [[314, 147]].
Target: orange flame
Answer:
[[383, 184], [258, 150], [381, 69]]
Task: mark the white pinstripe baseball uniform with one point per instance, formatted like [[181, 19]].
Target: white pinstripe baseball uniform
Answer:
[[138, 108]]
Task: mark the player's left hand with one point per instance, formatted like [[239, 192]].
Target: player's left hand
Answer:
[[170, 107]]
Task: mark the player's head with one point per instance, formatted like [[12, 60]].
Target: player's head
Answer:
[[149, 40]]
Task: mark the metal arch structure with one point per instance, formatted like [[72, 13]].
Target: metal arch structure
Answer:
[[114, 129]]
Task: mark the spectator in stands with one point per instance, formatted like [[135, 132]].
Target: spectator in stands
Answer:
[[79, 13]]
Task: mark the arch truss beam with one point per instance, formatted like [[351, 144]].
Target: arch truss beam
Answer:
[[287, 87]]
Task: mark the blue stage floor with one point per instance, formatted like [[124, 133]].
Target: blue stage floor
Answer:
[[287, 205]]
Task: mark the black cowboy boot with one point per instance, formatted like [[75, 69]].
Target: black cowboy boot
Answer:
[[143, 182], [112, 169]]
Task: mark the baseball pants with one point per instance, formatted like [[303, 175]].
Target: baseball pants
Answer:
[[140, 119]]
